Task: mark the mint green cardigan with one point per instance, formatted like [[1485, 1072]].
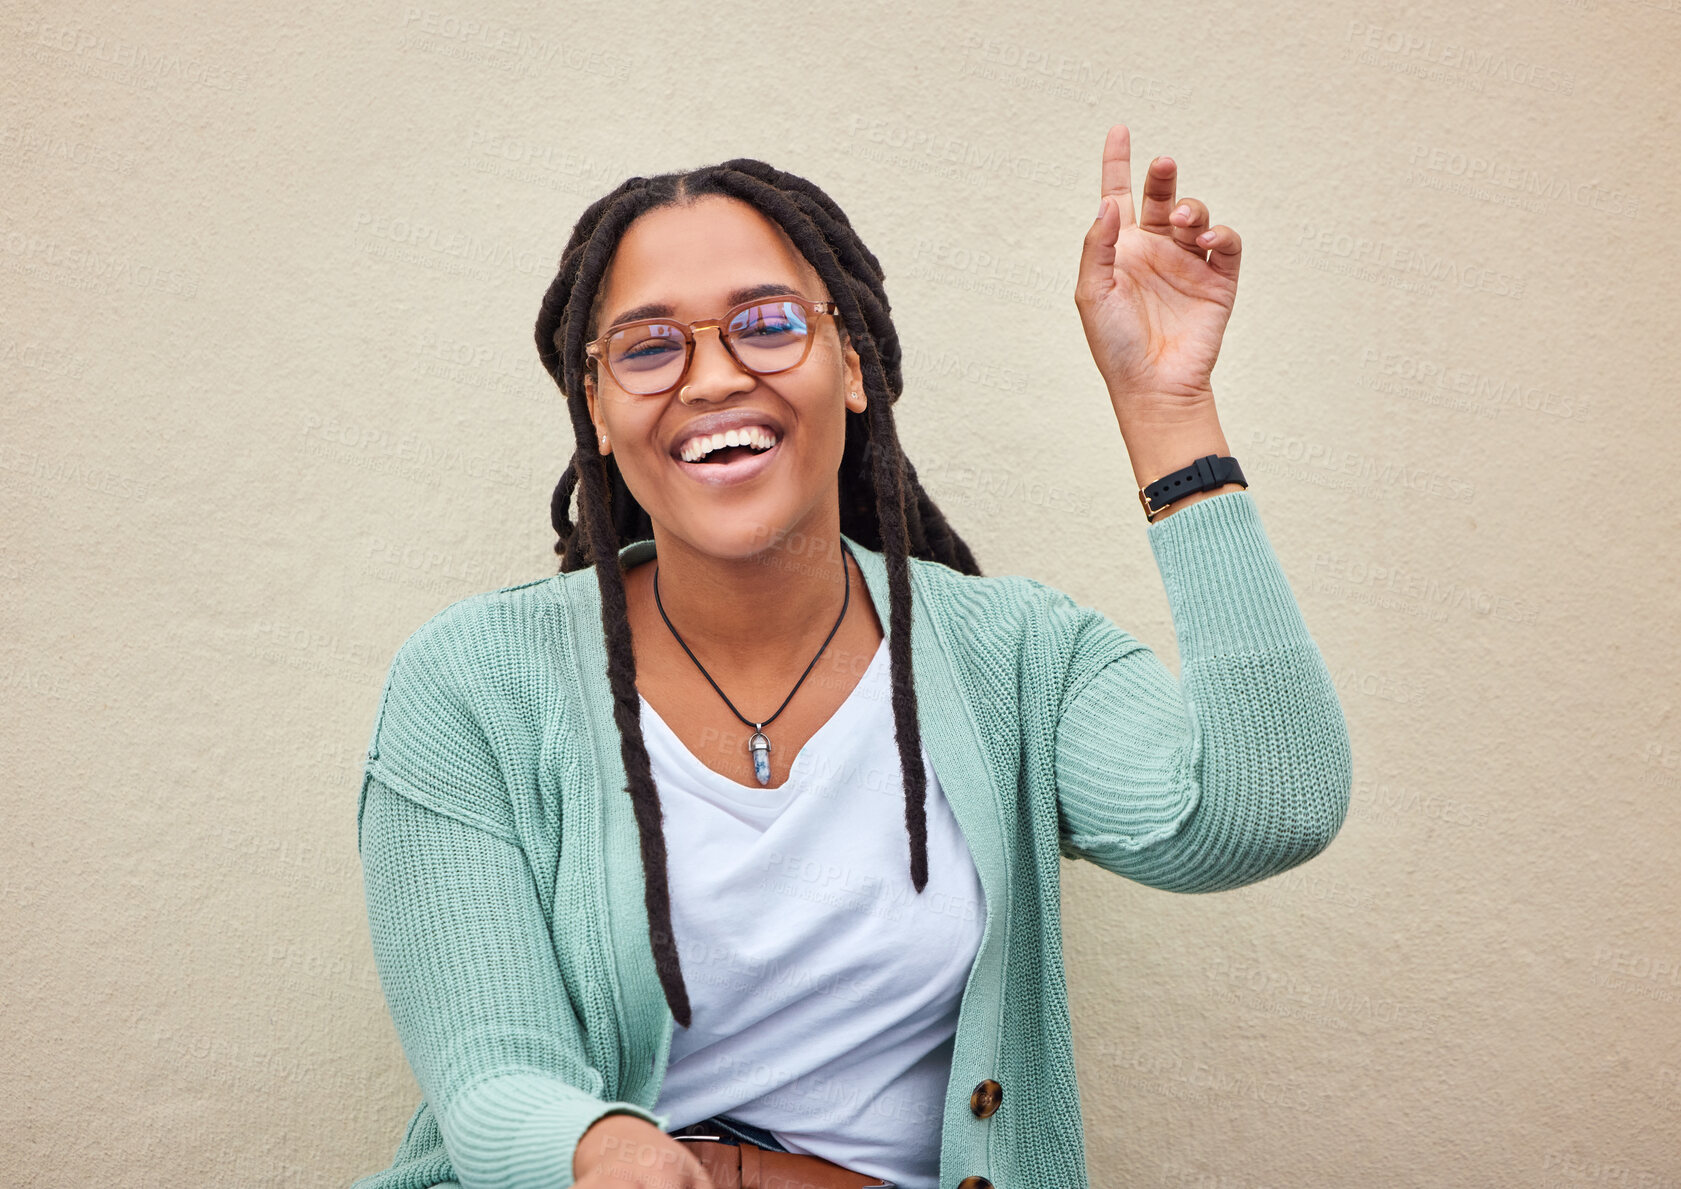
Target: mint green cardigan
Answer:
[[504, 881]]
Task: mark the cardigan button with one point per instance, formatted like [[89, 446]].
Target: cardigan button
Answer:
[[986, 1098], [974, 1183]]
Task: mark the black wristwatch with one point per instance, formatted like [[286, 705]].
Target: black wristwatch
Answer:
[[1210, 470]]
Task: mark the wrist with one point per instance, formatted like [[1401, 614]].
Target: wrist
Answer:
[[1158, 448], [1137, 407]]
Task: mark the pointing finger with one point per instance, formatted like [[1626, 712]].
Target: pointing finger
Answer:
[[1117, 172]]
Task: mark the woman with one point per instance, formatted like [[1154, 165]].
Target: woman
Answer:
[[788, 914]]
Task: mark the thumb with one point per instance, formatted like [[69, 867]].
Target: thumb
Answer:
[[1096, 274]]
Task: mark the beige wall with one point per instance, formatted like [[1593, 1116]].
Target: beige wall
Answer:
[[271, 400]]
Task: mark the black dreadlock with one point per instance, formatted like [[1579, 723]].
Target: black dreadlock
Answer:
[[875, 475]]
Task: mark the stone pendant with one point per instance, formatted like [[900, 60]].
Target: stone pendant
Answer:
[[760, 747]]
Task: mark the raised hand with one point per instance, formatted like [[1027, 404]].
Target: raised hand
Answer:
[[1154, 292]]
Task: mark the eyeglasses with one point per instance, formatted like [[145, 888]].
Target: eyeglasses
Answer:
[[650, 357]]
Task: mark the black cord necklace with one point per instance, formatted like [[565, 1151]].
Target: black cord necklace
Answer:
[[757, 744]]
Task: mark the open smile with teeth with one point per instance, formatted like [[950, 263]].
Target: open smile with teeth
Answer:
[[731, 444]]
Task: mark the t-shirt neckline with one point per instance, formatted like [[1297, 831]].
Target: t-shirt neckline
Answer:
[[759, 793]]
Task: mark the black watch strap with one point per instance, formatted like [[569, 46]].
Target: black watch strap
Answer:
[[1211, 470]]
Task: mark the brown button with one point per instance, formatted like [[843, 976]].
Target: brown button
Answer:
[[986, 1098], [974, 1183]]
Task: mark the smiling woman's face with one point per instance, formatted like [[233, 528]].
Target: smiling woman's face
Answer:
[[695, 262]]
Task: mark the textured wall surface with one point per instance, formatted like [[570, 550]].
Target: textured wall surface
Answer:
[[271, 400]]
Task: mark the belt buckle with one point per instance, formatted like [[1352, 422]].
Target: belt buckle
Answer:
[[701, 1139], [704, 1131]]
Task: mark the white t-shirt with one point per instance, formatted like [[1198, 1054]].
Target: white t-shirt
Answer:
[[824, 989]]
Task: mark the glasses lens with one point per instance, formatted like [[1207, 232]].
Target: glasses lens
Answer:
[[647, 358], [771, 336]]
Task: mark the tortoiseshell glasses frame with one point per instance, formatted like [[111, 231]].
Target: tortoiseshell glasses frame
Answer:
[[597, 348]]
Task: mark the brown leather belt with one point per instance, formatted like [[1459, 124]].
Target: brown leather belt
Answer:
[[742, 1165]]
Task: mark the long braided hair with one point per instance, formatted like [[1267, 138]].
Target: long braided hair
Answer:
[[882, 505]]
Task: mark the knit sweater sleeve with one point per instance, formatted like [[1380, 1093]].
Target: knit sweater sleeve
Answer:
[[1235, 771], [471, 979], [460, 939]]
